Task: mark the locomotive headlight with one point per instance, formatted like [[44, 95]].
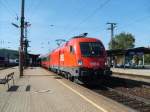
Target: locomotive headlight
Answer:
[[80, 62]]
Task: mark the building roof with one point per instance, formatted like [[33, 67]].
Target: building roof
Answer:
[[34, 55], [144, 50]]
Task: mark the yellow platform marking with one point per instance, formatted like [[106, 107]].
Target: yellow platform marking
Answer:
[[82, 96]]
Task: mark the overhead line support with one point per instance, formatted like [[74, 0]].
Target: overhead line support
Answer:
[[111, 28]]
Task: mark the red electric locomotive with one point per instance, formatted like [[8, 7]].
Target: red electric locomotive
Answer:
[[80, 58]]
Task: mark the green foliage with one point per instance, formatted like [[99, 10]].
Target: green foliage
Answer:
[[122, 41], [147, 59], [44, 59]]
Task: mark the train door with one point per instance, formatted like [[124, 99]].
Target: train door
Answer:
[[61, 59], [49, 60]]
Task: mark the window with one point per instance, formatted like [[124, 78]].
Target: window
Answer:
[[91, 48], [71, 49]]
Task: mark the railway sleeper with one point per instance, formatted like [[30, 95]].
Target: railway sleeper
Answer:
[[112, 95], [146, 109], [123, 100], [132, 96], [137, 105], [129, 101], [146, 106]]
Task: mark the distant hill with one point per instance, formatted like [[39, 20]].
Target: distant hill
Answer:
[[12, 54]]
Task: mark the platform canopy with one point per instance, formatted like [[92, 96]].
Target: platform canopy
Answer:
[[133, 57], [116, 52], [33, 59]]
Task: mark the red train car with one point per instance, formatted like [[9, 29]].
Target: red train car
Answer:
[[79, 58], [45, 61]]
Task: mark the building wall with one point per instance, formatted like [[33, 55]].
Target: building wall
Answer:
[[120, 59]]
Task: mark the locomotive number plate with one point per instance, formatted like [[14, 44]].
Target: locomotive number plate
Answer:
[[94, 63]]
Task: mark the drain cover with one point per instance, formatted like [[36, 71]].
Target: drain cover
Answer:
[[43, 91]]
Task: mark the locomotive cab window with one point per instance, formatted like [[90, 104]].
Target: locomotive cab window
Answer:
[[91, 49], [71, 49]]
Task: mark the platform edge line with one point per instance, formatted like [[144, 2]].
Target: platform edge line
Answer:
[[82, 96]]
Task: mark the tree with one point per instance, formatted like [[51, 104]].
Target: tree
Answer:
[[147, 58], [122, 41]]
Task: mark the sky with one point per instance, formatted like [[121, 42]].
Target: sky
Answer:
[[63, 19]]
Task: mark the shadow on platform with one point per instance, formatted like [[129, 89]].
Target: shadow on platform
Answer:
[[28, 87], [13, 88]]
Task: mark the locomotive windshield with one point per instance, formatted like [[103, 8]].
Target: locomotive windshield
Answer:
[[91, 49]]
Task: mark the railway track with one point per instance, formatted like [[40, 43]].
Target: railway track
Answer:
[[137, 103], [125, 95], [4, 68], [144, 78], [110, 89]]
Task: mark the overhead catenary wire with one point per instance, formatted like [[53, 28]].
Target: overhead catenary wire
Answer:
[[77, 12], [95, 11], [9, 9], [135, 21], [12, 9], [89, 16], [35, 7]]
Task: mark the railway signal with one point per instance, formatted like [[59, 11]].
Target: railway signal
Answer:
[[15, 25]]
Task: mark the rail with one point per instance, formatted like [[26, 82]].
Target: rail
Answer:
[[134, 102], [144, 78]]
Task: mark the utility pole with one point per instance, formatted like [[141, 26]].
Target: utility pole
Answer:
[[26, 43], [21, 39], [111, 28]]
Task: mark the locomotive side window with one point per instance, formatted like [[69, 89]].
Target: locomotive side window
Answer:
[[91, 48], [71, 49]]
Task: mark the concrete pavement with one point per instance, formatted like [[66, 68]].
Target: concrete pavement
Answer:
[[42, 91]]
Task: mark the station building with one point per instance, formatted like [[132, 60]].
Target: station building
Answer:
[[33, 60], [9, 56], [128, 58]]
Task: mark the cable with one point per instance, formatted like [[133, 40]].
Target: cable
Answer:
[[95, 11], [36, 8], [78, 12], [6, 7], [136, 21], [30, 4], [11, 8], [91, 15]]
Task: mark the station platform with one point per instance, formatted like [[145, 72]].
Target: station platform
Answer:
[[137, 74], [42, 91]]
